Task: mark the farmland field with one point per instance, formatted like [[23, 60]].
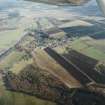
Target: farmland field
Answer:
[[9, 38], [15, 98], [47, 62], [11, 59], [89, 50], [50, 55], [86, 64], [15, 62]]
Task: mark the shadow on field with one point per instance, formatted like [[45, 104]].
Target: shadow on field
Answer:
[[80, 31]]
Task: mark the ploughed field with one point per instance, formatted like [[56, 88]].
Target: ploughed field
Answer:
[[69, 66], [53, 63], [86, 64]]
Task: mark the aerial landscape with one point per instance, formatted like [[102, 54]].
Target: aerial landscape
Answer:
[[51, 54]]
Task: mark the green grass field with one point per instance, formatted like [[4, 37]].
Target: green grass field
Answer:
[[82, 47], [12, 58], [8, 38]]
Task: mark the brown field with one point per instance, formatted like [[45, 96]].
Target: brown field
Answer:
[[46, 62]]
